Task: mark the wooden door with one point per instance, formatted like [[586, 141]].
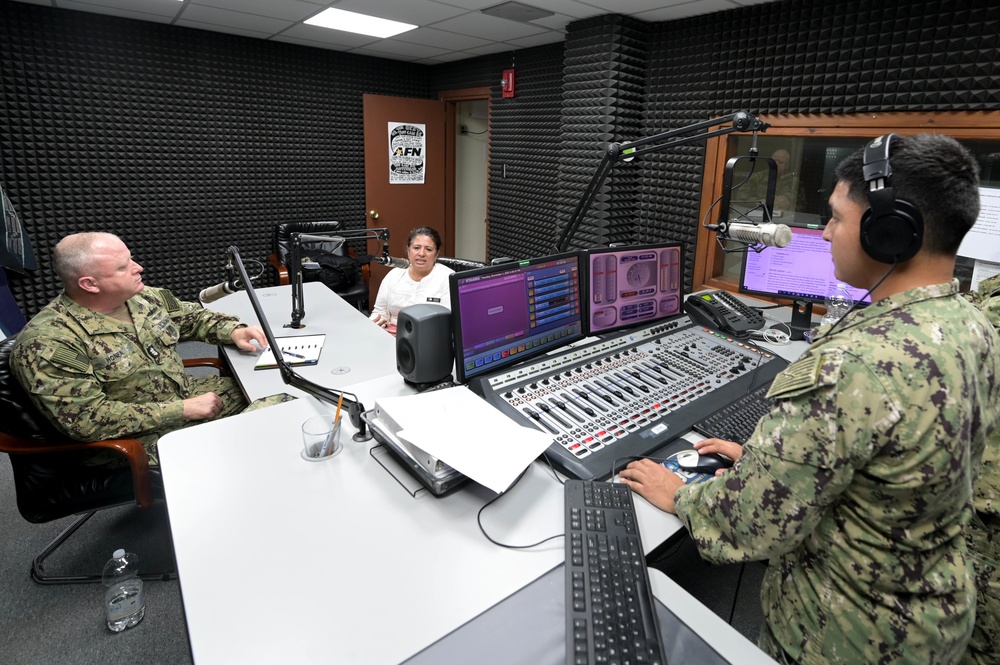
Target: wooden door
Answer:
[[406, 158]]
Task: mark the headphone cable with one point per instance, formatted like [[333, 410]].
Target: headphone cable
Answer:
[[858, 302]]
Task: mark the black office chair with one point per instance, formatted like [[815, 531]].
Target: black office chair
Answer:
[[356, 294], [51, 478]]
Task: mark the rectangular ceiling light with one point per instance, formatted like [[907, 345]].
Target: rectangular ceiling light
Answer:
[[338, 19]]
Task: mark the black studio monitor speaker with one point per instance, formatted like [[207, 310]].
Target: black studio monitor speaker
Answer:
[[423, 344]]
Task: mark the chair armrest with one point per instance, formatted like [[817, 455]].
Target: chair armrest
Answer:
[[280, 267], [132, 449], [213, 363]]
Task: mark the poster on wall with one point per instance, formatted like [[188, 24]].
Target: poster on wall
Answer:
[[407, 143]]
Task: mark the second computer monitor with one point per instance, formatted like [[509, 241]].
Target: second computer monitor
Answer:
[[630, 285], [507, 313], [802, 271]]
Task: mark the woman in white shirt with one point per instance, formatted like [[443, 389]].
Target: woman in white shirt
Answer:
[[423, 282]]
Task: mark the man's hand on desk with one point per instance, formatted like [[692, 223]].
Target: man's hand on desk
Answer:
[[728, 448], [657, 484], [243, 336], [652, 481]]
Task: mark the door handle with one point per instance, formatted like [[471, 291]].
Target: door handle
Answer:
[[373, 214]]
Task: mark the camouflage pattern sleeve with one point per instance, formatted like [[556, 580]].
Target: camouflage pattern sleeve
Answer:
[[63, 384], [984, 530], [797, 463], [194, 321]]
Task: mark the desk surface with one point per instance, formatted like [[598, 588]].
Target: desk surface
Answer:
[[355, 349], [286, 560]]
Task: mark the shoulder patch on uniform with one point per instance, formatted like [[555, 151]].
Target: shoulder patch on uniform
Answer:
[[801, 374], [70, 360], [170, 301]]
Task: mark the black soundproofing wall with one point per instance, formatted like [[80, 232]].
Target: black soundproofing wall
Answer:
[[795, 56], [185, 141], [181, 141]]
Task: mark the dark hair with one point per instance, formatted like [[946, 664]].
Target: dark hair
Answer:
[[425, 231], [934, 173]]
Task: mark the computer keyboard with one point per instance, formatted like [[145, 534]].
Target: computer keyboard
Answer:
[[610, 616], [737, 421]]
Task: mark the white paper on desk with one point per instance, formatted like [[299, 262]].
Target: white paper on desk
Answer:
[[467, 433]]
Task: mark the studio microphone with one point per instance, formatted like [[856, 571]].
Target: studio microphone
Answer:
[[392, 262], [213, 293], [769, 235]]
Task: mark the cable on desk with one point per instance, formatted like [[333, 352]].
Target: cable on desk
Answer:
[[736, 594], [479, 519], [772, 335]]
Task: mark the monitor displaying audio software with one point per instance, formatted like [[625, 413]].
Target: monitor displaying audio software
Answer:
[[802, 271], [505, 314], [630, 285]]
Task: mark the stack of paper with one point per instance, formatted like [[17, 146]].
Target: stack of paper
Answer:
[[465, 432]]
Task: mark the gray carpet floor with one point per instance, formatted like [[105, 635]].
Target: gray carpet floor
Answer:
[[65, 623]]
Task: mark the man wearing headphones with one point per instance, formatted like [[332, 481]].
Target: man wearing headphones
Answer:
[[857, 486]]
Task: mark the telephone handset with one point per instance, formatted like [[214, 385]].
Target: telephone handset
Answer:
[[724, 312]]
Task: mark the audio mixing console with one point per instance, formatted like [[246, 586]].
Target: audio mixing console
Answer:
[[628, 395]]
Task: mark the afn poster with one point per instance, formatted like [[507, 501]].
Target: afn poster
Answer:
[[407, 143]]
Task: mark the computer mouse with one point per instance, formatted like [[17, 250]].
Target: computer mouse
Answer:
[[692, 460]]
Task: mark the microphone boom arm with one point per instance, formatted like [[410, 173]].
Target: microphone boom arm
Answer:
[[296, 240], [289, 376], [616, 152]]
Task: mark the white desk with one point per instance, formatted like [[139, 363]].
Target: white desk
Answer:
[[355, 349], [345, 565]]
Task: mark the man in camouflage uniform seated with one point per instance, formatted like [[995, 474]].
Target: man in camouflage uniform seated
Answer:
[[857, 486], [984, 530], [101, 361]]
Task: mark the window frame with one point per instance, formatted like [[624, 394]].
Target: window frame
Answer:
[[708, 267]]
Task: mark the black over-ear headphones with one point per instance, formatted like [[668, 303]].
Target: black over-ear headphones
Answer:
[[892, 230]]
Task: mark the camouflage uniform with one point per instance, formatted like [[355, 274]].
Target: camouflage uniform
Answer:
[[858, 485], [96, 378], [984, 530]]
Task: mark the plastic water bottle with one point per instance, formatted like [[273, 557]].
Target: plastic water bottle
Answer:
[[838, 303], [125, 599]]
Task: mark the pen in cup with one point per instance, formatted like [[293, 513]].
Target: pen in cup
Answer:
[[329, 445]]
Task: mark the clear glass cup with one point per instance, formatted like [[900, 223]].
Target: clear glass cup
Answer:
[[321, 438]]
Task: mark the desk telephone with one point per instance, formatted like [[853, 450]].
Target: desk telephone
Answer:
[[724, 312]]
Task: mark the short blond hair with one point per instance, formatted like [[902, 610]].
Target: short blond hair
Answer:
[[72, 255]]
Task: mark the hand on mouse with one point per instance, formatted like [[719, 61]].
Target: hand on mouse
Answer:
[[728, 448], [652, 481]]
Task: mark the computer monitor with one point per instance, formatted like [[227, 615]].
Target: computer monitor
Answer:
[[802, 272], [507, 313], [630, 285]]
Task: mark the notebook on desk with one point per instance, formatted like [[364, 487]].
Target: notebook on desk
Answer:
[[299, 350]]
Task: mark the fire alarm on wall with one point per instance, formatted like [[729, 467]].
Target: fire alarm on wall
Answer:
[[507, 83]]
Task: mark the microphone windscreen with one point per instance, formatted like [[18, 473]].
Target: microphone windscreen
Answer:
[[782, 235]]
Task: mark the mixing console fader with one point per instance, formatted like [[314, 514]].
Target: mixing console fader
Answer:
[[628, 395]]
